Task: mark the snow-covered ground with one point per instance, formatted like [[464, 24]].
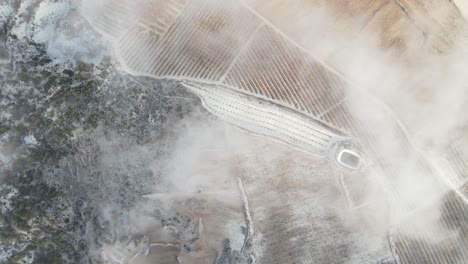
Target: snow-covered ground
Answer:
[[48, 14], [57, 24], [5, 12], [6, 194], [266, 119], [30, 140]]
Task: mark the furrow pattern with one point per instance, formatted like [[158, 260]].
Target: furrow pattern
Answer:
[[272, 67], [446, 241]]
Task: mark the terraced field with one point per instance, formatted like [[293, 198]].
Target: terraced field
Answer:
[[266, 119]]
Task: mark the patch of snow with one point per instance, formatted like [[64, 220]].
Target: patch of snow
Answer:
[[4, 159], [124, 252], [20, 30], [21, 26], [68, 37], [64, 47], [6, 12], [5, 254], [28, 258], [6, 194], [30, 140], [5, 115], [45, 19], [234, 233]]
